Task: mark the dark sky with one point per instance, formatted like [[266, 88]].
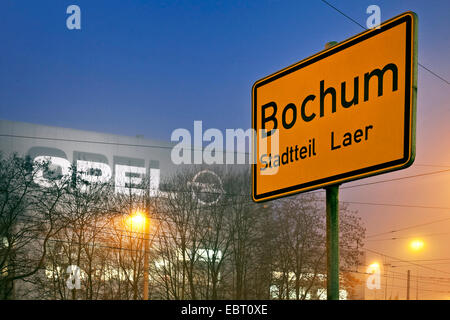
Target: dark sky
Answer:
[[149, 67]]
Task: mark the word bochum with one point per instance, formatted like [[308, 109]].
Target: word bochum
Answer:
[[306, 106]]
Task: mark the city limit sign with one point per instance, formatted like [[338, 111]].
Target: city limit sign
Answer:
[[343, 114]]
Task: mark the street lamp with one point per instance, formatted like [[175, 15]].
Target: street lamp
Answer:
[[416, 245], [373, 281], [141, 222], [136, 221], [374, 266]]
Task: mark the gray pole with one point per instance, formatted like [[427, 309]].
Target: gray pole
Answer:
[[332, 195], [386, 280], [146, 251], [408, 277], [417, 284]]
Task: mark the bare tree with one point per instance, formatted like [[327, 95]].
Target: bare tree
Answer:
[[28, 215], [244, 232], [83, 214], [301, 268], [206, 238], [183, 232]]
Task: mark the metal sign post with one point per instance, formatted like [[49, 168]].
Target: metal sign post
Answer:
[[332, 208], [332, 242]]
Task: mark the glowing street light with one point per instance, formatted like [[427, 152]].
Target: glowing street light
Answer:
[[373, 280], [137, 221], [374, 266], [141, 221], [416, 245]]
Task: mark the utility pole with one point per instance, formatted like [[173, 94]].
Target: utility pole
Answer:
[[146, 249], [408, 277], [417, 284], [386, 265]]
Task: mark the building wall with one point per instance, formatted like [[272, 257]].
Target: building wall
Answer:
[[35, 140], [39, 140]]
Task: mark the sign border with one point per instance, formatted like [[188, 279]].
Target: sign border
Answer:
[[411, 20]]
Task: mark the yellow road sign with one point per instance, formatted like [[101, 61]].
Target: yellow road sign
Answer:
[[345, 113]]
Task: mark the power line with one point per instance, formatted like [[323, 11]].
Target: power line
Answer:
[[406, 261], [427, 260], [409, 227], [432, 165], [427, 264], [366, 184], [86, 141], [397, 205], [359, 24], [388, 180], [344, 14], [400, 276], [397, 179], [434, 73], [429, 278], [401, 238], [112, 143]]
